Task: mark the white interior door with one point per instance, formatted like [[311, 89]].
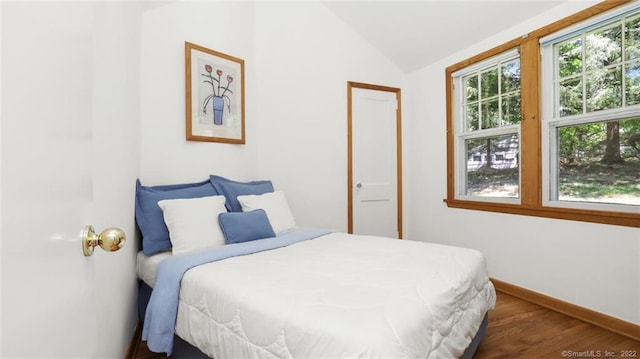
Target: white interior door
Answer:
[[66, 157], [47, 189], [374, 181]]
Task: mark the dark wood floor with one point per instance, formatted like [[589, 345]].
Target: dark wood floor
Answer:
[[519, 329]]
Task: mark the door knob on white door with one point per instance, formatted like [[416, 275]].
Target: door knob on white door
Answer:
[[359, 185]]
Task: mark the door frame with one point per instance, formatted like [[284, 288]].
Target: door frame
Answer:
[[351, 85]]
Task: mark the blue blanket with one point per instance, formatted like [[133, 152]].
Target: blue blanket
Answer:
[[162, 310]]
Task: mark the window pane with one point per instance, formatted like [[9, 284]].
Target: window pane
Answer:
[[511, 110], [491, 97], [604, 89], [490, 113], [601, 81], [600, 162], [603, 47], [632, 38], [471, 88], [493, 167], [489, 80], [472, 117], [570, 57], [571, 97], [511, 76], [632, 84]]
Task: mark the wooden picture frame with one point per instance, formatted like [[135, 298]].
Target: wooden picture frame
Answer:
[[214, 95]]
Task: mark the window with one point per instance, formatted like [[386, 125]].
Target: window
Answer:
[[555, 138], [487, 128], [591, 117]]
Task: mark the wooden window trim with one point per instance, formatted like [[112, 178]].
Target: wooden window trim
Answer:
[[531, 131]]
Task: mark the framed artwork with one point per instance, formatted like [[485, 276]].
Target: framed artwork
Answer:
[[214, 95]]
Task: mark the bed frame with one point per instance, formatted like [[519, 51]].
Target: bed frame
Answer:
[[184, 350]]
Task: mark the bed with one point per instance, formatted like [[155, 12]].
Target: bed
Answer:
[[309, 293]]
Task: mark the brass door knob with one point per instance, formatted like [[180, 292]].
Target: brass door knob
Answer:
[[111, 239]]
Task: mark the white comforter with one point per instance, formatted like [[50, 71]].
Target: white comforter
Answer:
[[337, 296]]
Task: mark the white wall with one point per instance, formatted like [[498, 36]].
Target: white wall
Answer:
[[591, 265], [305, 56], [226, 27], [69, 158], [298, 59]]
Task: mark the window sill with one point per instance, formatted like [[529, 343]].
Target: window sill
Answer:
[[603, 217]]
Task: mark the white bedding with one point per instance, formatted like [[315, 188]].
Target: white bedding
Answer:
[[147, 266], [337, 296]]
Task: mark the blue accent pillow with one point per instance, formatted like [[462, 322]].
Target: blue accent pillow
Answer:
[[232, 189], [155, 235], [239, 227]]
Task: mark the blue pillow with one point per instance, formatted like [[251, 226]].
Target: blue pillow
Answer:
[[239, 227], [155, 235], [232, 189]]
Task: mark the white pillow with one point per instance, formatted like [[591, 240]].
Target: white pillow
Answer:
[[275, 204], [193, 222]]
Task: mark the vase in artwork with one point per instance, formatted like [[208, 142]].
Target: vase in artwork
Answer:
[[218, 109]]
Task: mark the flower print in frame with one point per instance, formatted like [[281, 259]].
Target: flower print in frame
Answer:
[[214, 95]]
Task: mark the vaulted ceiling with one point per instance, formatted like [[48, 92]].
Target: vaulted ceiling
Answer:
[[414, 34]]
